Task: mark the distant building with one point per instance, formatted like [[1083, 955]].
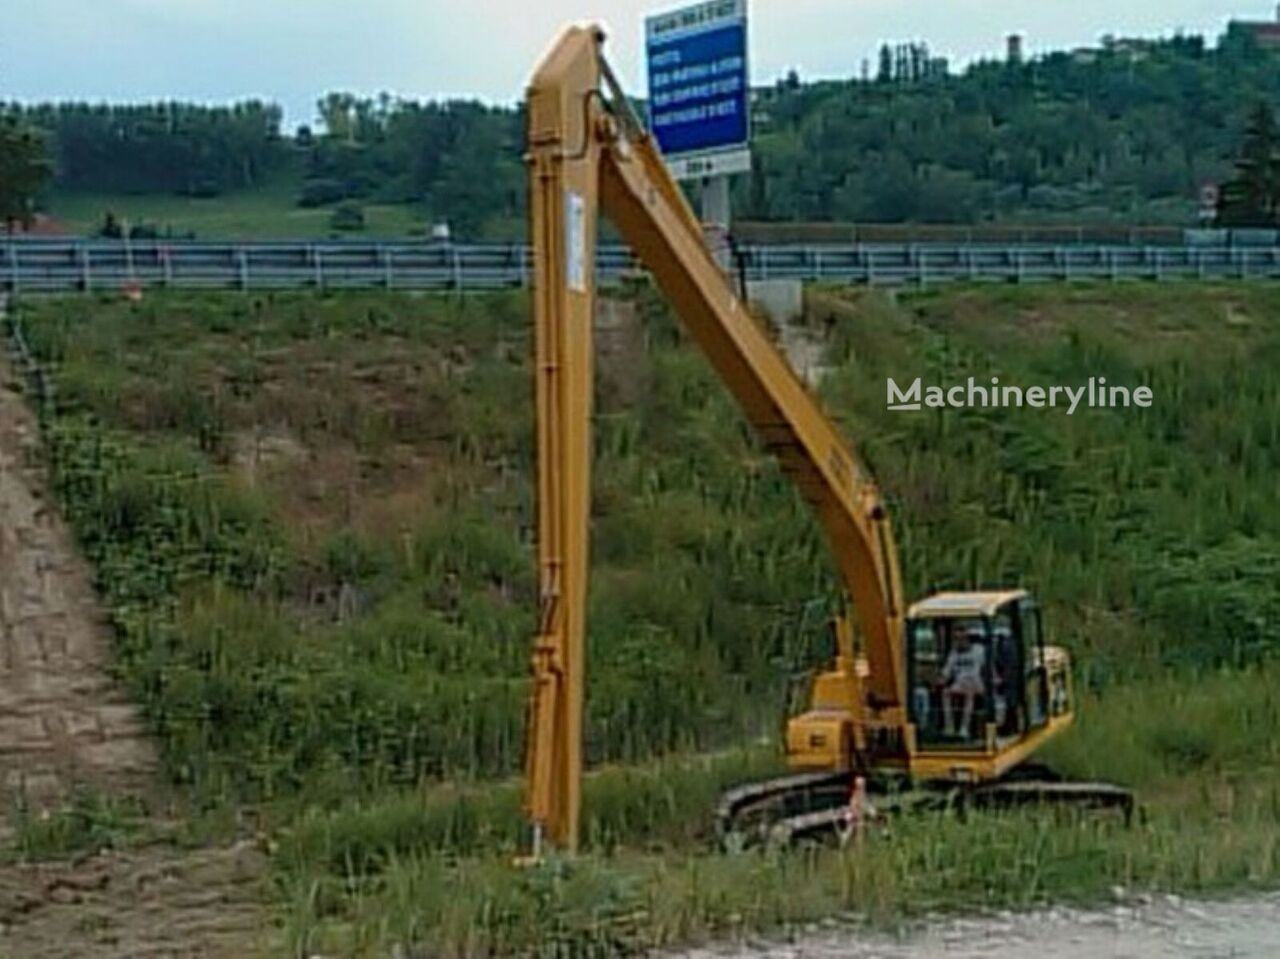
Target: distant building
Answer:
[[1265, 33], [1013, 48], [1135, 48]]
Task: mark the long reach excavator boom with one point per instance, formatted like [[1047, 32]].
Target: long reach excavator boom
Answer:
[[587, 154]]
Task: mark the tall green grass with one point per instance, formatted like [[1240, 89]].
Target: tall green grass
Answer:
[[254, 693], [1151, 534], [422, 871], [337, 621]]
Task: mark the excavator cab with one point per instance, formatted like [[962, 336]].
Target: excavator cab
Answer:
[[984, 687], [983, 691]]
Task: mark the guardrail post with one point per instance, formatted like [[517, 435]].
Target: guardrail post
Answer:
[[1244, 264], [1199, 258], [970, 266], [1018, 266], [13, 262], [317, 263], [871, 266], [1159, 271], [817, 264], [457, 271], [1112, 265], [243, 260], [166, 261], [86, 271], [388, 270]]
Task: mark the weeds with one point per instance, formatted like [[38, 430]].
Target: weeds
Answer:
[[311, 519], [88, 821]]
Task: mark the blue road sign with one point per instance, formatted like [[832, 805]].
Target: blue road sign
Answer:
[[699, 87]]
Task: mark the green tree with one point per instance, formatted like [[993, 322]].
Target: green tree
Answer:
[[338, 111], [24, 170], [1252, 196], [885, 73], [159, 147]]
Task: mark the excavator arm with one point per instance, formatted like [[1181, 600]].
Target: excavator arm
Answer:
[[587, 153]]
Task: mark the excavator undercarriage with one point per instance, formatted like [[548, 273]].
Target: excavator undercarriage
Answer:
[[818, 806]]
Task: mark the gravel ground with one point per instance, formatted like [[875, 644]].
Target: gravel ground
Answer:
[[1165, 927]]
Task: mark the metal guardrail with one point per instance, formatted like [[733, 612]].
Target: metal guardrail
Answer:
[[59, 266]]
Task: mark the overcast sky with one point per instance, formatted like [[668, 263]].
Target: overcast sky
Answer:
[[290, 51]]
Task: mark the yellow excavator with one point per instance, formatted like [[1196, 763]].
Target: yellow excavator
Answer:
[[959, 689]]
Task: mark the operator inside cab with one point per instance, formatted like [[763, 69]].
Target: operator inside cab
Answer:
[[963, 678], [976, 667]]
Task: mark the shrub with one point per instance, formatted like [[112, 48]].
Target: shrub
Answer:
[[347, 217], [321, 192]]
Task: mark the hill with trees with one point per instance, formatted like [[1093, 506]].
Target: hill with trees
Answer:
[[1128, 131]]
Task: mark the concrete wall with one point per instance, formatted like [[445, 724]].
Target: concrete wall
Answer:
[[781, 300]]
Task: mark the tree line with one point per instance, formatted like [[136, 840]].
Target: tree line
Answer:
[[1129, 131], [460, 161], [176, 148]]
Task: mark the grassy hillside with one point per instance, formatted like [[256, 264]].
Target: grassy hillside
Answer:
[[269, 213], [311, 519]]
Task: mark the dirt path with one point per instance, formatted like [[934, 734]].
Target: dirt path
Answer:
[[1163, 928], [62, 720], [136, 904], [65, 723]]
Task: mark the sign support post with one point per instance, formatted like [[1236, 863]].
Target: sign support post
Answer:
[[716, 212], [700, 102], [717, 215]]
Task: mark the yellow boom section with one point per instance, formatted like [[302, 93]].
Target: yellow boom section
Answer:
[[583, 145], [564, 162]]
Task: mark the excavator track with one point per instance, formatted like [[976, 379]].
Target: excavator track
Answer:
[[1050, 792], [815, 806], [811, 807], [748, 814]]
